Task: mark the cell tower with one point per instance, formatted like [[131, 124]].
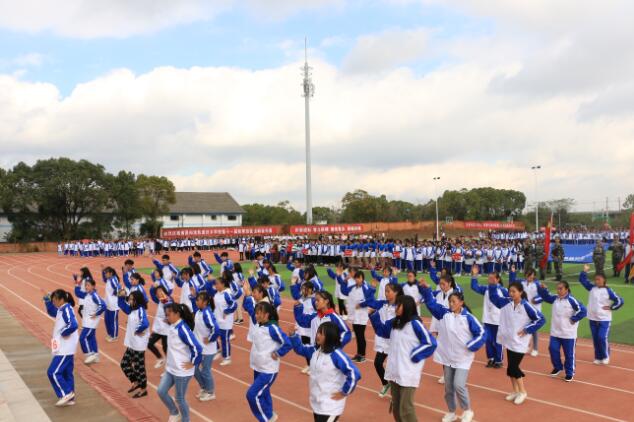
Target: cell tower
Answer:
[[309, 91]]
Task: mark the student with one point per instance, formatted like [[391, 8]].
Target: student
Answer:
[[333, 376], [84, 274], [311, 275], [531, 284], [126, 272], [225, 263], [167, 270], [358, 293], [238, 282], [59, 305], [601, 302], [410, 345], [272, 292], [160, 328], [341, 298], [269, 344], [304, 294], [206, 330], [251, 298], [460, 335], [224, 308], [384, 280], [567, 312], [387, 311], [411, 288], [184, 353], [515, 313], [324, 311], [490, 316], [94, 306], [196, 260], [186, 283], [112, 308], [135, 284], [136, 341]]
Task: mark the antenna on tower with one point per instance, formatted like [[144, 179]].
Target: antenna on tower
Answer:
[[308, 92]]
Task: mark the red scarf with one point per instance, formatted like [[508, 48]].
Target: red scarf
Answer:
[[328, 311]]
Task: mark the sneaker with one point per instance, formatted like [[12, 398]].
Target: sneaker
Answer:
[[597, 362], [273, 418], [344, 317], [200, 393], [490, 363], [174, 418], [511, 397], [606, 361], [441, 380], [66, 399], [108, 338], [384, 390], [449, 417], [519, 399], [92, 358], [216, 357], [159, 363], [207, 396], [232, 337], [305, 369], [361, 359], [555, 372], [467, 416], [238, 322], [534, 353], [497, 365], [568, 378], [225, 362]]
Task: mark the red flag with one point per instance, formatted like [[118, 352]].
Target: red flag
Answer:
[[627, 259], [547, 243]]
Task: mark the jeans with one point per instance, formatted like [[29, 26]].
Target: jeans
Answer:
[[456, 385], [167, 381], [203, 374]]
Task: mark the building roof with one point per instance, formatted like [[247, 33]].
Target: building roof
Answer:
[[205, 203]]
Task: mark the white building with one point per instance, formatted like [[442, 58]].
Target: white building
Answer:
[[203, 209]]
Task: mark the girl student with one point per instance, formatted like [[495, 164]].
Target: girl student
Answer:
[[566, 313], [410, 344], [333, 376], [136, 340], [518, 318], [187, 283], [341, 268], [490, 315], [224, 308], [160, 328], [135, 284], [304, 294], [59, 305], [84, 274], [311, 275], [385, 279], [411, 288], [112, 308], [324, 311], [460, 335], [94, 306], [269, 343], [531, 284], [238, 282], [387, 311], [272, 292], [358, 293], [206, 330], [601, 302], [184, 353], [251, 298]]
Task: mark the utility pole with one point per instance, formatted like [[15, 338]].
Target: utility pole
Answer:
[[535, 168], [308, 92], [436, 179]]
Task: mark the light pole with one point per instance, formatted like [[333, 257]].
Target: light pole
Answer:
[[308, 89], [435, 179], [535, 168]]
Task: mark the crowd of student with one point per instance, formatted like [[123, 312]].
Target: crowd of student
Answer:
[[196, 312]]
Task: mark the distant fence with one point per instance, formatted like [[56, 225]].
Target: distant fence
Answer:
[[28, 247]]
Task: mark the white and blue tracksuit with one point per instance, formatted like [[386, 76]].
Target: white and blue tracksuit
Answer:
[[94, 306], [315, 319], [533, 297], [170, 272], [205, 269], [206, 327], [267, 339], [273, 293], [383, 281], [63, 347], [330, 372], [112, 306], [491, 320], [224, 308], [566, 313], [225, 265], [600, 319]]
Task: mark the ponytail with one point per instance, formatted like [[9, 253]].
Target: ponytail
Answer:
[[64, 295], [184, 312]]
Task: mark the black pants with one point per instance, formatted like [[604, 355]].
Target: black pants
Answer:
[[342, 307], [359, 333], [306, 340], [514, 359], [133, 366], [325, 418], [379, 359], [80, 310], [154, 337]]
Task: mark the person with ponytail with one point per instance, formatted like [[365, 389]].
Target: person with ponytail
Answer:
[[160, 328], [518, 319], [531, 286], [253, 296], [94, 306], [59, 305], [84, 274], [184, 353], [112, 308], [324, 311], [206, 330], [136, 340], [224, 309], [135, 284], [304, 293], [268, 345]]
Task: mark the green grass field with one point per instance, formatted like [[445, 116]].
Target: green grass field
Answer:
[[622, 330]]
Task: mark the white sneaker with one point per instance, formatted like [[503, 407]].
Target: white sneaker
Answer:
[[449, 417], [111, 339], [273, 418], [441, 380], [207, 397], [159, 363], [534, 353], [467, 416], [606, 361], [225, 362], [344, 317], [200, 393], [305, 369], [519, 399], [597, 362], [216, 357], [66, 399], [232, 337], [174, 418], [511, 397], [92, 358]]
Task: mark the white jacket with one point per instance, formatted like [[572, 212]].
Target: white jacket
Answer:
[[490, 312], [566, 314], [206, 328], [182, 347], [266, 339], [65, 337], [599, 297], [137, 323]]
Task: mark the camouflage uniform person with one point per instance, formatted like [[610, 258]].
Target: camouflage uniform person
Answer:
[[529, 257], [558, 255], [598, 257], [539, 256], [618, 251]]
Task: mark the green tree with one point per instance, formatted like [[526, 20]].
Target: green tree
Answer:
[[628, 204], [125, 201], [329, 215], [280, 214], [360, 207], [156, 193]]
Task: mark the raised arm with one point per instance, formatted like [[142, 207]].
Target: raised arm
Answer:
[[545, 295], [495, 298], [435, 308], [305, 350]]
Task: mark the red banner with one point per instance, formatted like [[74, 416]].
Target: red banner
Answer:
[[328, 229], [544, 260], [493, 225], [628, 258], [182, 232]]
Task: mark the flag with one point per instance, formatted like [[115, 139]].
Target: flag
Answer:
[[549, 228], [627, 259]]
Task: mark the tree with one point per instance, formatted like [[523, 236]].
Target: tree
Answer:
[[125, 202], [280, 214], [629, 202], [361, 207], [329, 215], [156, 193]]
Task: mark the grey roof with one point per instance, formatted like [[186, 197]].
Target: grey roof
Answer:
[[205, 203]]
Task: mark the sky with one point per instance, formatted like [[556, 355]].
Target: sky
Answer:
[[208, 93]]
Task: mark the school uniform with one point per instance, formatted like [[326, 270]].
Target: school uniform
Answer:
[[381, 344], [94, 306], [358, 312], [63, 346], [206, 327], [112, 307], [491, 321], [160, 327], [224, 308], [383, 281], [314, 320], [136, 340]]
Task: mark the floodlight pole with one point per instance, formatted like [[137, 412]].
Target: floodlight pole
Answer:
[[308, 92], [436, 194], [535, 168]]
